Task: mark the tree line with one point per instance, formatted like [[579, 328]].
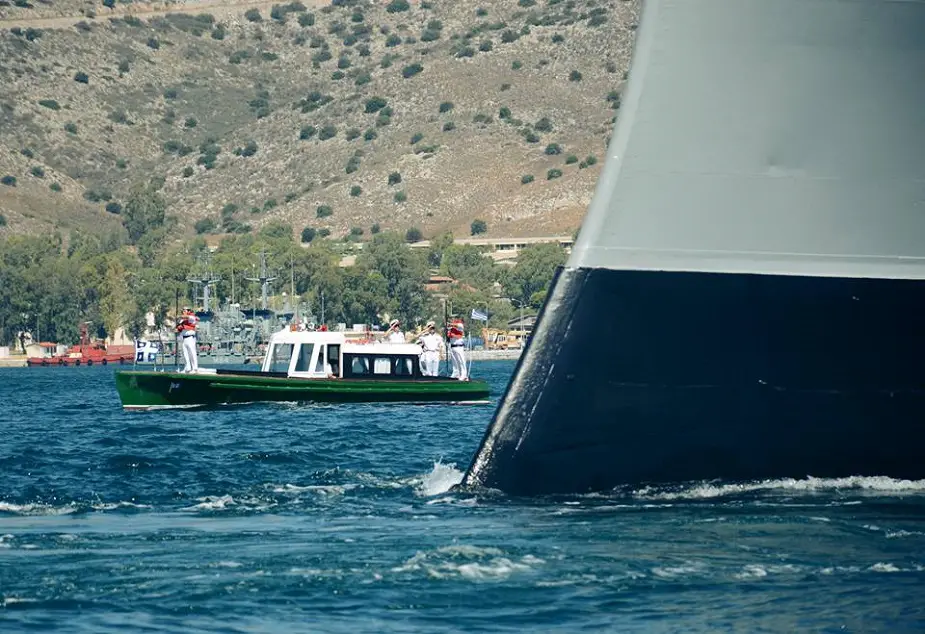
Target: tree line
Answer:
[[51, 284]]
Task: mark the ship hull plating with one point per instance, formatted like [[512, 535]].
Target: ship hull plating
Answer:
[[647, 376]]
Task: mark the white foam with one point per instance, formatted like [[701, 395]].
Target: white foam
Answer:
[[474, 563], [37, 509], [441, 479], [212, 503], [880, 484], [882, 567]]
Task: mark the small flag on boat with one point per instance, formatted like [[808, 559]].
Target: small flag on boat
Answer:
[[146, 351], [479, 315]]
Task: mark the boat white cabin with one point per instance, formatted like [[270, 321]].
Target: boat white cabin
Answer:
[[321, 354]]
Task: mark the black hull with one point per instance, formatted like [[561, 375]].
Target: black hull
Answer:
[[645, 376]]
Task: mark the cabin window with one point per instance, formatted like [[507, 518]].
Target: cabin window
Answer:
[[359, 365], [382, 365], [280, 354], [334, 359], [319, 364], [404, 366], [305, 357]]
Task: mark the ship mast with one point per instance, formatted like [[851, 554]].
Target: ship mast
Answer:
[[264, 280]]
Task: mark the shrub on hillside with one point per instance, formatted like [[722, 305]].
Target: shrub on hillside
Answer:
[[526, 179], [394, 178], [114, 208], [574, 76], [70, 127], [477, 227], [51, 104], [9, 181], [543, 125], [253, 15], [411, 70], [55, 187], [327, 132], [308, 234], [446, 106], [397, 6], [306, 132], [2, 220], [449, 126], [153, 43], [370, 135], [363, 78], [190, 122], [416, 138], [356, 232], [553, 148], [392, 40], [400, 196], [353, 164], [81, 78], [375, 229], [486, 46], [553, 173], [375, 104], [413, 235], [307, 19], [356, 190], [323, 211], [187, 172], [204, 225], [37, 171]]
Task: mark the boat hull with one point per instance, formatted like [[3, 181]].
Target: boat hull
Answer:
[[150, 390], [701, 376]]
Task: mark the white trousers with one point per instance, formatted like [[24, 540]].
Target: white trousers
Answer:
[[190, 359], [430, 363], [458, 355]]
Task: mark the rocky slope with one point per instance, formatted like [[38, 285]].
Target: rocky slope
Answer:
[[309, 114]]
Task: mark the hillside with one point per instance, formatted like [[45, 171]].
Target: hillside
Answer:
[[273, 114]]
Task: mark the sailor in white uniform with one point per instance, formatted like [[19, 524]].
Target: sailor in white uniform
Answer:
[[456, 336], [431, 343], [394, 334], [186, 328]]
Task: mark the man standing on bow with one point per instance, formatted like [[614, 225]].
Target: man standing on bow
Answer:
[[431, 343], [456, 335], [186, 328]]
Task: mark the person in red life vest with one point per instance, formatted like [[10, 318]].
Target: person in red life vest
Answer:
[[186, 328], [456, 336]]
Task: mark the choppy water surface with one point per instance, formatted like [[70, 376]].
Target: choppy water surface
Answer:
[[278, 518]]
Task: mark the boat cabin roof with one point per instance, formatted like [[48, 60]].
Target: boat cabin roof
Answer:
[[298, 337]]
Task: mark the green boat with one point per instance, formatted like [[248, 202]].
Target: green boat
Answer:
[[303, 366]]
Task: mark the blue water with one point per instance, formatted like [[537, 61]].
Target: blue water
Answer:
[[279, 518]]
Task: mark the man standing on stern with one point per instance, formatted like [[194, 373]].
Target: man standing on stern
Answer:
[[456, 336], [186, 328]]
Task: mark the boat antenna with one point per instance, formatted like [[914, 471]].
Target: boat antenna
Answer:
[[322, 307], [176, 318], [446, 337], [292, 286]]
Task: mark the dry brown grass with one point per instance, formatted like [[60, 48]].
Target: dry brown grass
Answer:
[[474, 171]]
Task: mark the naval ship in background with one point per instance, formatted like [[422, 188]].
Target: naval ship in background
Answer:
[[231, 333], [756, 247]]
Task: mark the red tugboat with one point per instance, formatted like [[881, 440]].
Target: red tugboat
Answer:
[[86, 353]]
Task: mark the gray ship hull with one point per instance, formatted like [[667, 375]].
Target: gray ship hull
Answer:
[[745, 299]]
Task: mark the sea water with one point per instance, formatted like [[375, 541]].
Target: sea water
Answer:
[[341, 518]]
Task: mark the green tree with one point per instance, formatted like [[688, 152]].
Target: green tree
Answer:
[[533, 271], [144, 211]]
